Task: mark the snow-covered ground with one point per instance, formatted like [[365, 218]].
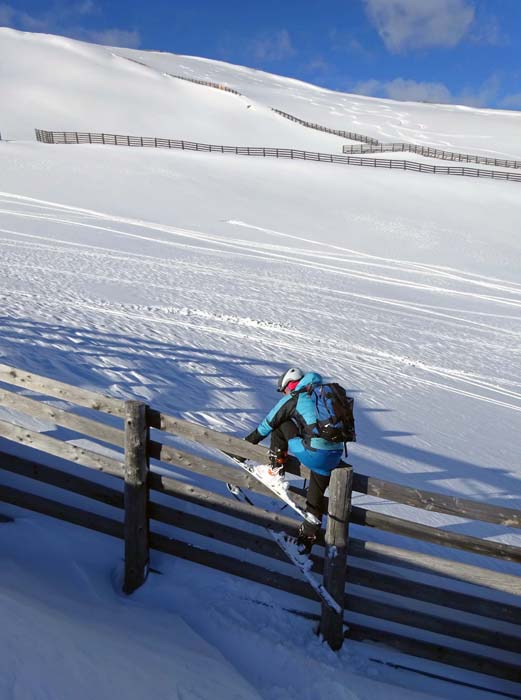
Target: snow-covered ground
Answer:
[[192, 280]]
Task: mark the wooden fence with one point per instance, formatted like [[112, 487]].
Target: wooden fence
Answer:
[[373, 145], [430, 153], [351, 135], [75, 137], [206, 83], [474, 630]]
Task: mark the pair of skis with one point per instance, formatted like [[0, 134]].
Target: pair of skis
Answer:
[[287, 543], [278, 488]]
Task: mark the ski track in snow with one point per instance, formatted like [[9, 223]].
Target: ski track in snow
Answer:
[[382, 362]]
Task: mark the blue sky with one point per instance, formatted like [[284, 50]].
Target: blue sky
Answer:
[[461, 51]]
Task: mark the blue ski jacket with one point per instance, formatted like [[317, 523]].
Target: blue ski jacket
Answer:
[[313, 452]]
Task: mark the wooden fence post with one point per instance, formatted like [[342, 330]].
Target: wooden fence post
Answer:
[[340, 489], [136, 495]]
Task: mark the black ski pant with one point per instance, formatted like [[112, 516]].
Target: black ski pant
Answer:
[[318, 484], [281, 436]]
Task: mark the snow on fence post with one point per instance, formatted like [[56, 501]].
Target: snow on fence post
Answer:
[[136, 495], [340, 489]]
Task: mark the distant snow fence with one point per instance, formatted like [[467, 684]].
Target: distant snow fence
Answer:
[[430, 152], [455, 613], [352, 136], [374, 146], [75, 137]]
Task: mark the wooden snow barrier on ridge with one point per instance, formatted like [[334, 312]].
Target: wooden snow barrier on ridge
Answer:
[[430, 152], [373, 144], [75, 137], [478, 630]]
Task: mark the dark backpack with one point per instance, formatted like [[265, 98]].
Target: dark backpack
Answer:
[[334, 411]]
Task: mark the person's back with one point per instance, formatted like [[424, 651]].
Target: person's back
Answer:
[[292, 424]]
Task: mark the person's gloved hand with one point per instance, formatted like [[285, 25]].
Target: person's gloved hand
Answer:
[[254, 437]]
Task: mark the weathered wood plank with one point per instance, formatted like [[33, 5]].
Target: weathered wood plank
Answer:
[[206, 436], [217, 471], [65, 419], [377, 487], [258, 543], [136, 496], [437, 595], [437, 502], [340, 488], [436, 652], [222, 504], [445, 538], [230, 565], [226, 563], [216, 531], [58, 448], [60, 390], [207, 467], [61, 480], [283, 582], [426, 563], [422, 499], [222, 562], [69, 514], [433, 623]]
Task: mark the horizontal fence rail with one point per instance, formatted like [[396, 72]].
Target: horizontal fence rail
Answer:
[[149, 495], [74, 137], [358, 604], [374, 146], [351, 135], [431, 153], [207, 83]]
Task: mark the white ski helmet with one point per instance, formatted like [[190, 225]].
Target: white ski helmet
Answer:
[[294, 374]]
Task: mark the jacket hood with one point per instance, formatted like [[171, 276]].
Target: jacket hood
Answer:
[[307, 379]]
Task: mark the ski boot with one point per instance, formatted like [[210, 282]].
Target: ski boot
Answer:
[[276, 467], [306, 537]]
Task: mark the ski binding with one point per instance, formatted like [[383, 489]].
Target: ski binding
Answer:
[[278, 489]]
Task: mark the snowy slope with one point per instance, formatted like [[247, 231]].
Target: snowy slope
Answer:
[[489, 132], [91, 88], [192, 279]]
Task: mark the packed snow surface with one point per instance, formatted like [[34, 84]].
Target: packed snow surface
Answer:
[[191, 280]]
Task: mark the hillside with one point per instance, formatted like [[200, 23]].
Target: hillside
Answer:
[[192, 279]]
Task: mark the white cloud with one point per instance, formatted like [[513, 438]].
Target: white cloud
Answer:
[[409, 24], [115, 37], [407, 90], [483, 96], [275, 47], [372, 88], [511, 101], [346, 42], [319, 65], [6, 15], [66, 23], [414, 91], [487, 31], [87, 7]]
